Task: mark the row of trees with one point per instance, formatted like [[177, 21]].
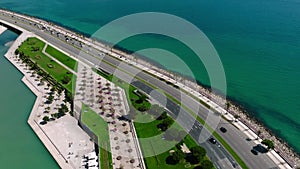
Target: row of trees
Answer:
[[61, 112], [34, 66], [56, 86], [197, 155]]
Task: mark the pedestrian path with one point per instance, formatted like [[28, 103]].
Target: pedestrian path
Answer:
[[57, 61]]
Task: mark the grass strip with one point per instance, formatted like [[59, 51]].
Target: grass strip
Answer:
[[63, 58], [100, 128]]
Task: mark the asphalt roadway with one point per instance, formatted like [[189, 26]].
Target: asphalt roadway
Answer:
[[234, 137]]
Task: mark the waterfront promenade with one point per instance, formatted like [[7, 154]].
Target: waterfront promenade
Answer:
[[58, 144], [33, 124], [195, 92]]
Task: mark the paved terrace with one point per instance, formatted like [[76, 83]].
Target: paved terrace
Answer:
[[110, 102]]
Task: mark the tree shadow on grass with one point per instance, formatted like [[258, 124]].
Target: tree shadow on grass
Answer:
[[170, 161], [198, 167], [192, 160]]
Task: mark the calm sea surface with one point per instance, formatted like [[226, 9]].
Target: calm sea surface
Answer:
[[258, 43], [20, 147]]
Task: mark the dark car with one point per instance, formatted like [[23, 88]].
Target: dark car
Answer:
[[223, 129], [253, 151], [213, 141]]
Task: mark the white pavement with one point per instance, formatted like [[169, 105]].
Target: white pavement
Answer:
[[2, 29]]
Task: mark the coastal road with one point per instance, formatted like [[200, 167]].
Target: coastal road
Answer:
[[234, 137]]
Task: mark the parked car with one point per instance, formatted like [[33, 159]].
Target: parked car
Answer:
[[253, 151]]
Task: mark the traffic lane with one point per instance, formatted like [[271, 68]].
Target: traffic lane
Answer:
[[211, 151], [243, 147], [92, 59], [46, 36], [195, 129]]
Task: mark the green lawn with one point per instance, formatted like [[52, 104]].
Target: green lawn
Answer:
[[144, 130], [33, 47], [156, 144], [100, 128], [64, 59], [95, 123], [159, 161]]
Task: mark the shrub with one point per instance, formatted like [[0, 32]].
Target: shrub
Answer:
[[66, 79], [46, 118], [268, 143]]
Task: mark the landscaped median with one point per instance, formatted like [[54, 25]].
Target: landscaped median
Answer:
[[100, 128]]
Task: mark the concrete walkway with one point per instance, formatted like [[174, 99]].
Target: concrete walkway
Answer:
[[59, 158], [33, 124]]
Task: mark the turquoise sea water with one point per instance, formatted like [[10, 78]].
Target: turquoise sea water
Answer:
[[258, 43], [20, 147]]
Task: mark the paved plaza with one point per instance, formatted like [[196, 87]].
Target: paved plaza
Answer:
[[110, 103]]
